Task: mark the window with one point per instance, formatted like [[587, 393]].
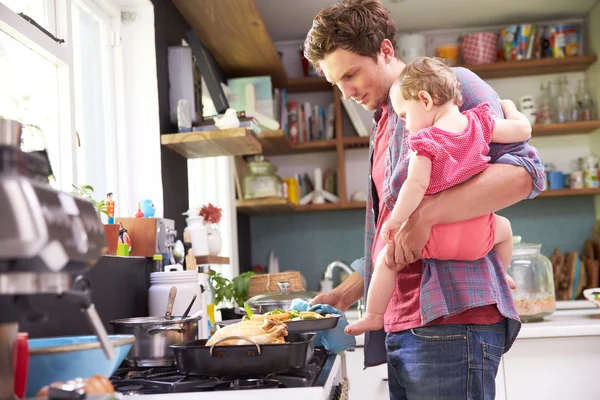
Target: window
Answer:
[[63, 91], [94, 113]]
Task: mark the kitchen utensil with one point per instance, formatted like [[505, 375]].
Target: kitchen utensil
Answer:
[[532, 272], [479, 48], [21, 354], [63, 358], [264, 303], [170, 303], [309, 325], [195, 358], [187, 310], [153, 336]]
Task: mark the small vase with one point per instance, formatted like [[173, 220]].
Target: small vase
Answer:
[[214, 240]]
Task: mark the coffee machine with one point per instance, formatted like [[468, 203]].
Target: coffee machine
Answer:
[[48, 240]]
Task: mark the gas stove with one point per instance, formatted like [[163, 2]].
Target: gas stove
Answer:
[[163, 380]]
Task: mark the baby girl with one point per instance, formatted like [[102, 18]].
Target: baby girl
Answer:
[[447, 148]]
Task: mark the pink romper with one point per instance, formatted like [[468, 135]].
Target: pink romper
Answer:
[[457, 157]]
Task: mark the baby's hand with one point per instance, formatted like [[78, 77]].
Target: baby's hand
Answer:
[[507, 105], [389, 230]]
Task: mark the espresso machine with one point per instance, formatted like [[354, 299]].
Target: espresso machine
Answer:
[[48, 240]]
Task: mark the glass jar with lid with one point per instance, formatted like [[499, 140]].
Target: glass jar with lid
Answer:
[[262, 181], [532, 272]]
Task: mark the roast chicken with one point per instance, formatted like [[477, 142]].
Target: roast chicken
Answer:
[[269, 331]]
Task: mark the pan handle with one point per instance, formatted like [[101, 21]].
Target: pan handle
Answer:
[[235, 337], [160, 329]]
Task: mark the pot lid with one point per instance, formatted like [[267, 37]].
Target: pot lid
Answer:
[[158, 320], [283, 296]]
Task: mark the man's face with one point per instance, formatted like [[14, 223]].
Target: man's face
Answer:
[[358, 77]]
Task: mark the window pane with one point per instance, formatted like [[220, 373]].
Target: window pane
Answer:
[[90, 50], [42, 11], [29, 94]]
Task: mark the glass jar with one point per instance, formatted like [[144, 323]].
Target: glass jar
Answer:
[[262, 181], [532, 272]]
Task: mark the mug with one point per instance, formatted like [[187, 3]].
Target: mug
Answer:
[[448, 53], [556, 180]]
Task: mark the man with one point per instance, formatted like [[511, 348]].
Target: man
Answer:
[[448, 322]]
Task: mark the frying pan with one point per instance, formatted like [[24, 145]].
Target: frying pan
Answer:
[[195, 358]]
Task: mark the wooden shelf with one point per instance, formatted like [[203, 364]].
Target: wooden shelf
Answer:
[[234, 33], [309, 84], [226, 142], [276, 142], [274, 205], [566, 128], [509, 69], [356, 205], [569, 192], [280, 206], [203, 260]]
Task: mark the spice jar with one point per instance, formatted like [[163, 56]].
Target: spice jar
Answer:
[[262, 181], [532, 273]]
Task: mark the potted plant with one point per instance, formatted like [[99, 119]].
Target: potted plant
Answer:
[[230, 294], [111, 231]]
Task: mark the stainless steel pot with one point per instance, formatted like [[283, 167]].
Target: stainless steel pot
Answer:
[[153, 336], [264, 303]]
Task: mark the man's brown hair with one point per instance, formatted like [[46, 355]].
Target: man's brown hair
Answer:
[[434, 77], [355, 25]]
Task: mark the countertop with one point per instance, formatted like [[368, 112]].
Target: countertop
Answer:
[[572, 319]]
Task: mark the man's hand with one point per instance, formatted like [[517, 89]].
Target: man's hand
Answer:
[[332, 298], [343, 296], [410, 240]]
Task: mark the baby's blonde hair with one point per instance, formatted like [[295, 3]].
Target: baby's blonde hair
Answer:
[[434, 77]]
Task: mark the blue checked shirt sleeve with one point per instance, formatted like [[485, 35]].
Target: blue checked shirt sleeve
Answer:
[[359, 266], [476, 91]]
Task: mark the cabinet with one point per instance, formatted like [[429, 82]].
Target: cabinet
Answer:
[[370, 383]]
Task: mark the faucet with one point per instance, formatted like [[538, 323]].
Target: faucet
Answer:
[[330, 267], [329, 277]]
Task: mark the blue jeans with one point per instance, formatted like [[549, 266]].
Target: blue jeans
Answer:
[[451, 362]]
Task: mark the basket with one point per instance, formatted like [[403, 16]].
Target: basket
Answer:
[[267, 283]]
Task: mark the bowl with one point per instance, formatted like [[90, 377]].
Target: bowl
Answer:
[[60, 359], [593, 295], [479, 48]]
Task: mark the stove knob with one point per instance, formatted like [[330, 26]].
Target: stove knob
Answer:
[[80, 237]]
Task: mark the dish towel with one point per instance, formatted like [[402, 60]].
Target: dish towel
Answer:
[[334, 340]]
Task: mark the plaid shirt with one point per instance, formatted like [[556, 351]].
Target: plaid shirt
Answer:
[[448, 287]]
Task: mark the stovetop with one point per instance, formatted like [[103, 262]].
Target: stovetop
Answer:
[[161, 380]]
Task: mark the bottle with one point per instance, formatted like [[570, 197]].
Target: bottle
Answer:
[[157, 265], [586, 103], [544, 113], [562, 102]]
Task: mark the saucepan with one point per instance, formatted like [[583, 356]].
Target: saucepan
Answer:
[[154, 335]]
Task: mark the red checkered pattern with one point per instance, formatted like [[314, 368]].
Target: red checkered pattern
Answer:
[[479, 48]]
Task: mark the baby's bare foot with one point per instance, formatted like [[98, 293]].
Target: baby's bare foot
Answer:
[[370, 322]]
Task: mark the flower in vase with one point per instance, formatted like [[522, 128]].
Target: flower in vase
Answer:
[[211, 214]]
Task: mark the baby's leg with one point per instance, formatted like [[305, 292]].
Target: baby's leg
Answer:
[[503, 244], [381, 290]]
